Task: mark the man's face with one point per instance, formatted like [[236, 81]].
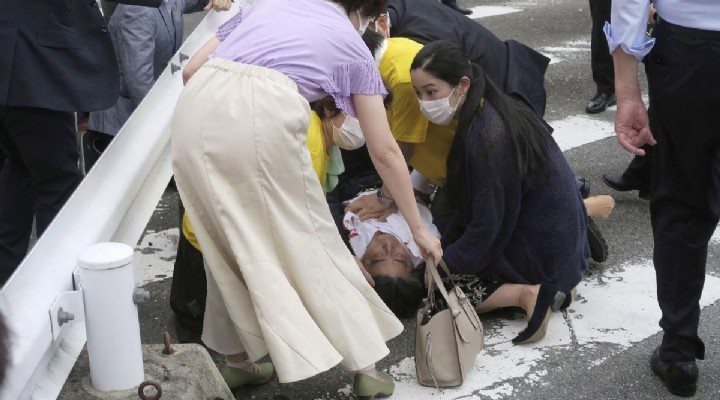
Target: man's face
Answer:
[[386, 256]]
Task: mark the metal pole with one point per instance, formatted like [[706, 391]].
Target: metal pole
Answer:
[[111, 317]]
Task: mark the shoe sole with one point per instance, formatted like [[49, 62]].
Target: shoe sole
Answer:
[[643, 194], [678, 390], [596, 241]]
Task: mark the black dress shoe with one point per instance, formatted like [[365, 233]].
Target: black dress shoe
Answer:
[[679, 377], [596, 241], [453, 4], [600, 103], [623, 183]]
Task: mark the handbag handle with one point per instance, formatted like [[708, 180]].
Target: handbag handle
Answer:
[[435, 278]]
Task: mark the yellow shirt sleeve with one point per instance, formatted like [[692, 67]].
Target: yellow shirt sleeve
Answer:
[[316, 145]]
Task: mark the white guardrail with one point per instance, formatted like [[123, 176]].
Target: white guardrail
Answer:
[[113, 203]]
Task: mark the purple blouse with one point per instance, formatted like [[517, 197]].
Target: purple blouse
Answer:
[[310, 41]]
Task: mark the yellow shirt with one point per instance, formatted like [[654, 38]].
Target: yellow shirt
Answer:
[[316, 145], [407, 122], [320, 162]]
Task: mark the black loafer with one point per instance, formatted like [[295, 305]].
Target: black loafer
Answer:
[[596, 241], [453, 4], [679, 377], [623, 183], [600, 103]]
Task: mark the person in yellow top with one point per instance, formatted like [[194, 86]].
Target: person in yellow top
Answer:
[[329, 129], [425, 144]]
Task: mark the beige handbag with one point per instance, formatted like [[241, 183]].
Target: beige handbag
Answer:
[[446, 341]]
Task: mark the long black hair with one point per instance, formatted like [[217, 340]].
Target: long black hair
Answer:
[[445, 60]]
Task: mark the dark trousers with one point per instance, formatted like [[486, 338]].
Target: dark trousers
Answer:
[[683, 80], [39, 174], [601, 61], [640, 169]]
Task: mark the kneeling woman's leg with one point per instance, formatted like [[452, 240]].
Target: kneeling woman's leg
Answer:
[[538, 301]]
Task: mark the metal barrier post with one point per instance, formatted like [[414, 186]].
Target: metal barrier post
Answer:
[[111, 316]]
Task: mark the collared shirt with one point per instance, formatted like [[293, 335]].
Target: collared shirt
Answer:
[[361, 233], [629, 21]]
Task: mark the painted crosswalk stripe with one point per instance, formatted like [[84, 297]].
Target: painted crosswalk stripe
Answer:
[[491, 11]]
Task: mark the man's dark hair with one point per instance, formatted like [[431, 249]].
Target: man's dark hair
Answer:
[[401, 295], [369, 8]]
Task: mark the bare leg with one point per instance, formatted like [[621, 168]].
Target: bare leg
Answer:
[[511, 295], [599, 206]]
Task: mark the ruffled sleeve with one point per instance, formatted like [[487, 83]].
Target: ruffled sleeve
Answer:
[[355, 77], [226, 29]]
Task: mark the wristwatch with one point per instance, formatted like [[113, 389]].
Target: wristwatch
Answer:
[[382, 198]]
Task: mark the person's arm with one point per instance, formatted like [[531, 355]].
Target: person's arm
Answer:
[[199, 58], [478, 236], [409, 127], [628, 44], [632, 124], [391, 167]]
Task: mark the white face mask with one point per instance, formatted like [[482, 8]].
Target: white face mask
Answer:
[[362, 24], [439, 111], [349, 136]]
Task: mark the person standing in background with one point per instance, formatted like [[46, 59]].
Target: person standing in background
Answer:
[[56, 58], [600, 60], [682, 63], [145, 40]]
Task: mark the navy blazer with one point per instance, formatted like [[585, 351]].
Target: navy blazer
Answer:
[[512, 66], [56, 54]]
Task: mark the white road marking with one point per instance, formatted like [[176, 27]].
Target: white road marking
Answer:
[[491, 11], [155, 256], [559, 54], [602, 315], [577, 131]]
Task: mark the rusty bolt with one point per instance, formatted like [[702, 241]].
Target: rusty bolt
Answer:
[[168, 350]]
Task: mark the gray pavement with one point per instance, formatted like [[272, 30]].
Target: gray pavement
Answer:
[[599, 348]]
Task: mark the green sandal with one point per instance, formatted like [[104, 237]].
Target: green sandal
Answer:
[[366, 387], [236, 377]]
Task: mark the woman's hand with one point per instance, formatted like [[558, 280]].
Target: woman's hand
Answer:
[[370, 207], [218, 5], [429, 244]]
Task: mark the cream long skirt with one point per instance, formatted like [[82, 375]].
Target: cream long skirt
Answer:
[[280, 279]]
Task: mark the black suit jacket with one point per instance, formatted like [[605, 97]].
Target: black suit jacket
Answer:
[[511, 65], [56, 54]]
